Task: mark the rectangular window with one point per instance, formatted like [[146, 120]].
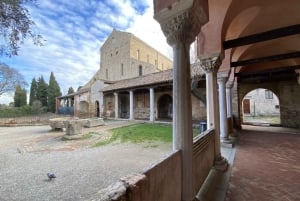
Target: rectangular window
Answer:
[[148, 58], [268, 94], [138, 54], [106, 73], [140, 70]]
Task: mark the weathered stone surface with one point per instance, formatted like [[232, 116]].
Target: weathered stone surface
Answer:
[[58, 123], [114, 192], [73, 129], [93, 122]]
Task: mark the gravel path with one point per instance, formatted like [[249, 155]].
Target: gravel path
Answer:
[[81, 171]]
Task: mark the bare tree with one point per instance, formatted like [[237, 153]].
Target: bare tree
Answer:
[[10, 78], [15, 26]]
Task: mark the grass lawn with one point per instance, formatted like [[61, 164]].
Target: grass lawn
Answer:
[[140, 133]]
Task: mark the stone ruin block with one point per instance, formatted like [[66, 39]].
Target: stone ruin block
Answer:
[[74, 129], [93, 122]]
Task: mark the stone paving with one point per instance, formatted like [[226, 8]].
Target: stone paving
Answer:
[[266, 167]]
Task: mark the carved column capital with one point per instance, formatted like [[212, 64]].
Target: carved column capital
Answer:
[[183, 21], [211, 64]]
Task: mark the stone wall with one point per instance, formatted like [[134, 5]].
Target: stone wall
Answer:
[[198, 109], [290, 104], [162, 182], [203, 157], [123, 53]]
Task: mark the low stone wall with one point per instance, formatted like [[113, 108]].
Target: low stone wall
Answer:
[[162, 182], [203, 157]]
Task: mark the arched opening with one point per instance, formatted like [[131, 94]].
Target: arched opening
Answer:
[[261, 107], [97, 107], [165, 107]]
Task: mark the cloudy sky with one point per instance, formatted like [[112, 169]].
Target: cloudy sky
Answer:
[[74, 32]]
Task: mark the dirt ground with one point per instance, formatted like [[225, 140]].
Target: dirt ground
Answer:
[[28, 153]]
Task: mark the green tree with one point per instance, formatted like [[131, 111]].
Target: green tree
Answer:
[[33, 92], [16, 26], [10, 78], [53, 92], [42, 91], [71, 90], [20, 97]]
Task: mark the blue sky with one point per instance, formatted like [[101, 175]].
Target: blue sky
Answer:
[[74, 32]]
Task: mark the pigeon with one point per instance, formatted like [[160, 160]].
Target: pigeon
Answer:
[[51, 176]]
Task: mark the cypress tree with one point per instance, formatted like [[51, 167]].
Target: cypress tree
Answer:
[[42, 91], [71, 90], [33, 91], [53, 92], [20, 97]]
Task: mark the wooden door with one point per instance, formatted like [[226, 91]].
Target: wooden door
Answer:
[[246, 106]]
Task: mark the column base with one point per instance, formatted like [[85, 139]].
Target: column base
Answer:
[[221, 164], [227, 142]]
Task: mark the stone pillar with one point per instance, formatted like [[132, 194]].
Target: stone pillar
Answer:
[[180, 24], [209, 99], [69, 102], [211, 66], [229, 85], [152, 104], [61, 102], [116, 105], [131, 115], [223, 109]]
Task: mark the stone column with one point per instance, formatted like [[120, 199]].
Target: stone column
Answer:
[[131, 116], [229, 85], [152, 104], [223, 109], [211, 66], [180, 24], [69, 102], [116, 105], [209, 99]]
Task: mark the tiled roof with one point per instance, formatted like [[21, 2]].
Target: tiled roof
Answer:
[[150, 79]]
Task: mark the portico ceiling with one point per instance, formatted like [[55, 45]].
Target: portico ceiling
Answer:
[[257, 35], [262, 35]]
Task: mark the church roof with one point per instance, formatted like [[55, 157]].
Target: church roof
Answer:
[[158, 78]]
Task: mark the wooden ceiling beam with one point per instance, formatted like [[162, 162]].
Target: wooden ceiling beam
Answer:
[[277, 57], [264, 36]]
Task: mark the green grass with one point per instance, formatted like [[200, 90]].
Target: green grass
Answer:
[[143, 133], [140, 133]]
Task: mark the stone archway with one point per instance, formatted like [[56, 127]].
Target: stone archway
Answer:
[[260, 106], [165, 107]]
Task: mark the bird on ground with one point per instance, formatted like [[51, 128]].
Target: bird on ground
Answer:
[[51, 176]]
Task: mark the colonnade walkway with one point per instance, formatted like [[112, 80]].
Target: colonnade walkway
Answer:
[[266, 166]]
